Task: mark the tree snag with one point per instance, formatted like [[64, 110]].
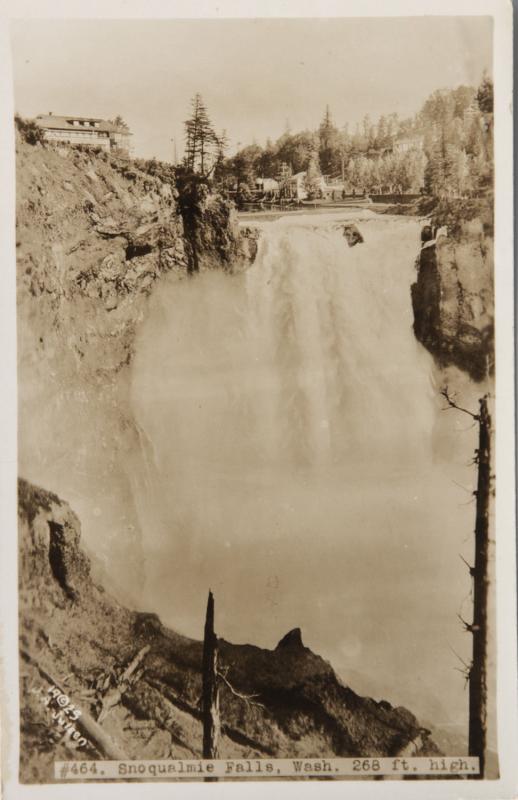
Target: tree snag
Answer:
[[210, 694], [477, 673]]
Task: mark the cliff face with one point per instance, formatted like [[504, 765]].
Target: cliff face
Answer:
[[95, 234], [452, 297], [74, 636]]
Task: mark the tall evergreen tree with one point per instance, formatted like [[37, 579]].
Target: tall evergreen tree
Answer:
[[330, 145], [200, 138], [485, 95], [221, 144]]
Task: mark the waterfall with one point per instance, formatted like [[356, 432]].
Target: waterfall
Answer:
[[304, 469]]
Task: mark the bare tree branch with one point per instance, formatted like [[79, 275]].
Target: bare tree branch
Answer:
[[471, 569], [466, 666], [468, 626], [452, 404], [246, 698], [468, 491]]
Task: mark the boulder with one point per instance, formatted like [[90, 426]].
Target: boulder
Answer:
[[352, 234]]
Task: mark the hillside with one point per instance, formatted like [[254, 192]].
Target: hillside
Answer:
[[75, 636]]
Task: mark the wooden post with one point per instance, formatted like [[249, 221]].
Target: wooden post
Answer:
[[210, 697], [478, 669]]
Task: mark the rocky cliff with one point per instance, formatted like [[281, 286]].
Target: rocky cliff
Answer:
[[95, 235], [76, 638], [94, 232], [452, 297]]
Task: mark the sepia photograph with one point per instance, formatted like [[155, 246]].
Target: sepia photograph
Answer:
[[257, 413]]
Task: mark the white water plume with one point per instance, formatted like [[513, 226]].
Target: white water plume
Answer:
[[304, 468]]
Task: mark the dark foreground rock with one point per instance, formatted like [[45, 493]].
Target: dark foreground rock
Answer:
[[75, 636]]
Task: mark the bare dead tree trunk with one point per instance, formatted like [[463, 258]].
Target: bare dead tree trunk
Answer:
[[210, 695], [478, 670], [477, 673]]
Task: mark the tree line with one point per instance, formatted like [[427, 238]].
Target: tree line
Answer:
[[445, 150]]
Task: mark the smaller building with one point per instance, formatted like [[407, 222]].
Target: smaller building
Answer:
[[335, 190], [406, 143], [267, 185], [295, 186], [91, 131]]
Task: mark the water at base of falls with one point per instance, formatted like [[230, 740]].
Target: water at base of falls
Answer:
[[302, 467]]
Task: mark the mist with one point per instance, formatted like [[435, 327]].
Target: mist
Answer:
[[301, 465]]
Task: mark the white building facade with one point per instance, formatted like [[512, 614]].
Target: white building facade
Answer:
[[90, 131]]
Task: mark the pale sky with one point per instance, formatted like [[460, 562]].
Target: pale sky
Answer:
[[254, 74]]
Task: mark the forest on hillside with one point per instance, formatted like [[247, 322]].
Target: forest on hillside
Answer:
[[444, 150]]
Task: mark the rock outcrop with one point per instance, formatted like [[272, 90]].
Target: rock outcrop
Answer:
[[293, 640], [352, 234], [452, 297], [75, 636]]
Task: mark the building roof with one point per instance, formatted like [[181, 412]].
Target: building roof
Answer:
[[55, 122]]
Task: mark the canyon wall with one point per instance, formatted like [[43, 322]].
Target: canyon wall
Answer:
[[453, 296]]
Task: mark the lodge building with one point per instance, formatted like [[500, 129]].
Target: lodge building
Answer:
[[84, 130]]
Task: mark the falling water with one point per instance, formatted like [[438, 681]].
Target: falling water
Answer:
[[304, 469]]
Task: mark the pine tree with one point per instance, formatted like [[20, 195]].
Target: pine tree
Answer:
[[119, 122], [330, 145], [382, 133], [200, 138], [485, 95], [367, 132], [221, 143], [313, 178]]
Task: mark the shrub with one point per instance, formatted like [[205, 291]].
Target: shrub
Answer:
[[29, 130], [159, 169]]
